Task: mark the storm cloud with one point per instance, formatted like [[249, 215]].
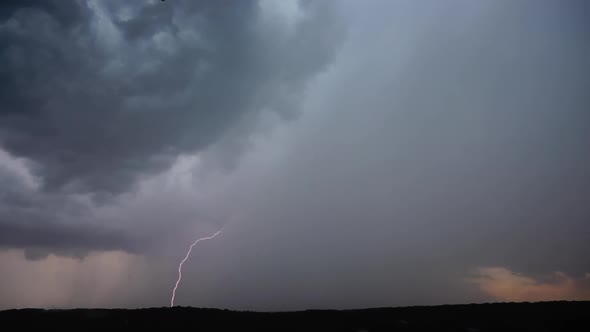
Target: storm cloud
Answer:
[[97, 95], [358, 154]]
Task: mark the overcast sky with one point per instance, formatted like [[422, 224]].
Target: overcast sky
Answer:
[[356, 153]]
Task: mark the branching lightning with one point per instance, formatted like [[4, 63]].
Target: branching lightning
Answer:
[[184, 260]]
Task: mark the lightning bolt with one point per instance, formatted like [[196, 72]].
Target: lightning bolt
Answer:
[[184, 260]]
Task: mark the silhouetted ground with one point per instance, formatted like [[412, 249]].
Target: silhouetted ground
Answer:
[[542, 316]]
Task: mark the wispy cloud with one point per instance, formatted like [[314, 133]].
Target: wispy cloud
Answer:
[[505, 285]]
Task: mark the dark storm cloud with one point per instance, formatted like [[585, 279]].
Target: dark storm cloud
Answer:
[[65, 13], [98, 94], [43, 222], [69, 240]]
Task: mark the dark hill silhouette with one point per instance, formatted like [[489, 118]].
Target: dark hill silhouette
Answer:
[[541, 316]]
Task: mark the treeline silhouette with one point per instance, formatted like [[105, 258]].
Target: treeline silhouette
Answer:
[[541, 316]]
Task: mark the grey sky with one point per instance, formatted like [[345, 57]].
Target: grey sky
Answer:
[[360, 154]]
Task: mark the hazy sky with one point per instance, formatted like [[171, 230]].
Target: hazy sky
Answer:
[[357, 153]]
